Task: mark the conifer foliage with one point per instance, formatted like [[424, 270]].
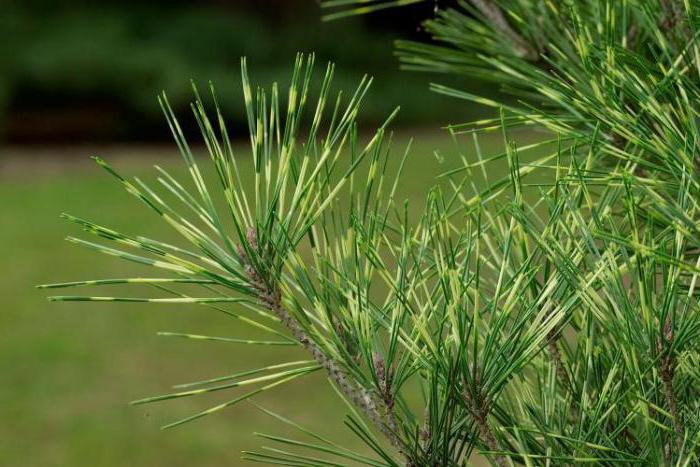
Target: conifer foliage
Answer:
[[548, 317]]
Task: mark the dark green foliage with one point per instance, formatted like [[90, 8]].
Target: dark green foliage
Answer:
[[106, 59]]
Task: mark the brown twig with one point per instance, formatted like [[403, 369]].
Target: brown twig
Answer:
[[270, 297], [424, 434], [562, 375], [555, 355], [346, 340], [385, 378], [479, 407], [632, 34], [667, 370], [671, 16], [495, 15]]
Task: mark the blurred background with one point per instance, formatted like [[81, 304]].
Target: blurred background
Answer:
[[87, 71], [79, 78]]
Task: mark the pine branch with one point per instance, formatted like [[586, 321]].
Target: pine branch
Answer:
[[270, 297], [435, 293]]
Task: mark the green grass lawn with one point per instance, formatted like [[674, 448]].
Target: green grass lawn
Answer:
[[69, 369]]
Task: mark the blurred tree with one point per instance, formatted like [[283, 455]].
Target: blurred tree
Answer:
[[83, 71]]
